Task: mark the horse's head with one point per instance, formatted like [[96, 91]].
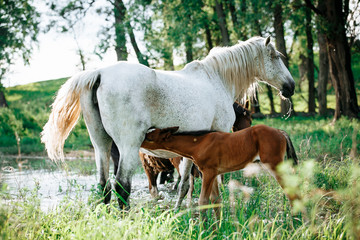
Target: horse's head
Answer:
[[155, 136], [275, 72]]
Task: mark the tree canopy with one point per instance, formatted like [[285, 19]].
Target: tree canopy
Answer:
[[317, 37], [19, 28]]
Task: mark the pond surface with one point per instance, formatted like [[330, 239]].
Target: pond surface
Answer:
[[75, 179]]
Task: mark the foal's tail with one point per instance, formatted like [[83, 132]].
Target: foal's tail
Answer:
[[65, 113], [290, 150]]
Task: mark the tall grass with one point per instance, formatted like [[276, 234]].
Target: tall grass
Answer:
[[265, 215]]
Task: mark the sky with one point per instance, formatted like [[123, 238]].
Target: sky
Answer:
[[55, 54]]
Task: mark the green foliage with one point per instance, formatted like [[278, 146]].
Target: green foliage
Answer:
[[18, 30], [29, 108], [10, 124]]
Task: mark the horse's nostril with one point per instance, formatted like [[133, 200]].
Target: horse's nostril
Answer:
[[288, 89]]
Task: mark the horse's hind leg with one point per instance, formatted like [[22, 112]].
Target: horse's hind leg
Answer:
[[129, 161], [101, 142]]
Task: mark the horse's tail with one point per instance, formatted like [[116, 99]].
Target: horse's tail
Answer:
[[65, 113], [290, 150]]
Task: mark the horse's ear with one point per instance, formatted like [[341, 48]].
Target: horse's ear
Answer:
[[267, 40]]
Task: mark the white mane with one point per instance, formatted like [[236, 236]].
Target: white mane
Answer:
[[237, 66]]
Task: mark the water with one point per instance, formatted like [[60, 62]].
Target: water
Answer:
[[76, 180]]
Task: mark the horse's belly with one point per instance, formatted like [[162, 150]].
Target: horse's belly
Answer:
[[159, 153]]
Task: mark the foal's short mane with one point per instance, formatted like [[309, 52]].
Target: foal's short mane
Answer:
[[193, 133], [237, 66]]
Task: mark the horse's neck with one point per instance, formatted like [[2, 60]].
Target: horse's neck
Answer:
[[236, 77]]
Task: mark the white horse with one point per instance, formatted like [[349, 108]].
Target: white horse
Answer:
[[121, 102]]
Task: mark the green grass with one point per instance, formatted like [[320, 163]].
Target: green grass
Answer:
[[266, 214]]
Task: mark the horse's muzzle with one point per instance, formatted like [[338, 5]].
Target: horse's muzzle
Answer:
[[288, 89]]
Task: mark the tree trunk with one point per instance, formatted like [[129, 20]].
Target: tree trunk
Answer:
[[302, 70], [243, 31], [141, 58], [167, 56], [256, 28], [340, 62], [222, 23], [255, 105], [271, 98], [323, 64], [120, 38], [205, 22], [236, 25], [3, 102], [339, 57], [310, 61], [189, 48], [280, 45], [209, 43]]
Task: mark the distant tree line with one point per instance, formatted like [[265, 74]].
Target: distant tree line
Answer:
[[190, 28]]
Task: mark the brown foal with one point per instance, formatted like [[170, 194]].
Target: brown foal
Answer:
[[218, 152]]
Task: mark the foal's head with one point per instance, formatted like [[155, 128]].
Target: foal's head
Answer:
[[243, 117], [156, 136]]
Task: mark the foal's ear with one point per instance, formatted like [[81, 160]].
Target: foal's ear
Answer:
[[247, 104], [170, 130], [167, 132], [267, 41]]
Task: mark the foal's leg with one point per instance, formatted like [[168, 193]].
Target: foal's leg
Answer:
[[215, 196], [152, 176], [206, 189], [185, 170]]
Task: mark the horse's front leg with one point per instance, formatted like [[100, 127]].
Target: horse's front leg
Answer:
[[185, 170]]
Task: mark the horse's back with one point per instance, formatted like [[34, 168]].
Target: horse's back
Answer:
[[184, 98]]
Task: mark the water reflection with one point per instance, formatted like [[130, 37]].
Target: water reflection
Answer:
[[76, 179]]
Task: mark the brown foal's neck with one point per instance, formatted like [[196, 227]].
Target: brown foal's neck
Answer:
[[185, 145]]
